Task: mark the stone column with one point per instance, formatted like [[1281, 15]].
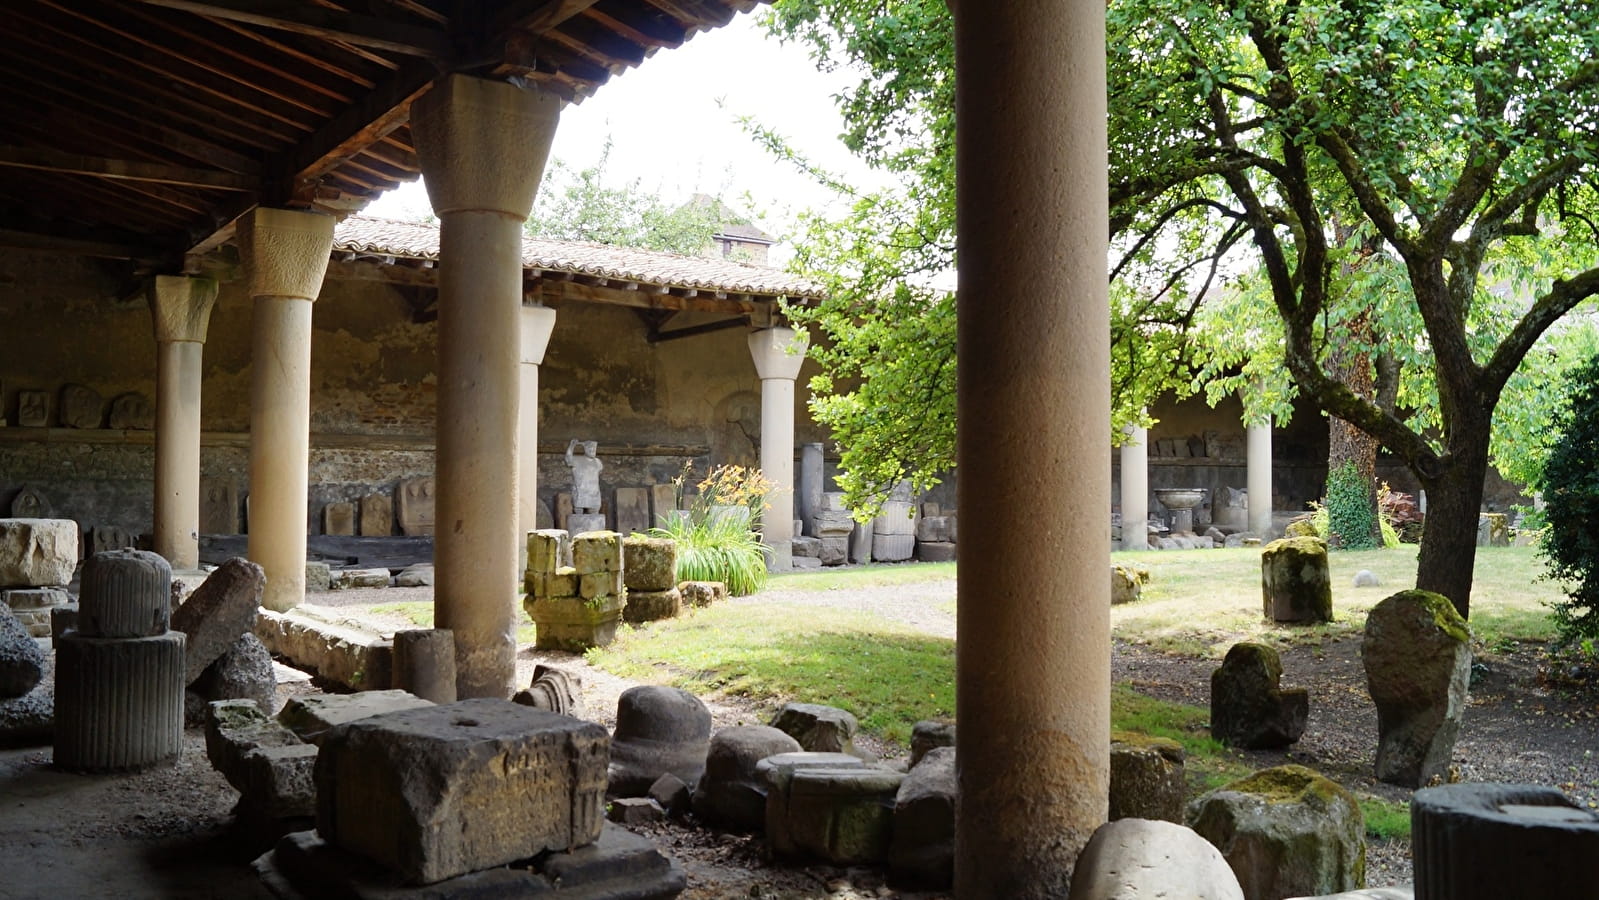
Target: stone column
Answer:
[[1135, 489], [778, 354], [181, 309], [810, 486], [483, 145], [537, 323], [285, 252], [1033, 659], [1258, 479]]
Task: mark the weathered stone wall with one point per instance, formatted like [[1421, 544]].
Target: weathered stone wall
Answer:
[[72, 321]]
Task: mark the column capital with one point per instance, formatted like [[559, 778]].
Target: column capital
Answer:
[[474, 138], [778, 352], [537, 323], [285, 251], [181, 307]]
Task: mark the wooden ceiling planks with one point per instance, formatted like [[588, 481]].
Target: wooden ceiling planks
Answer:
[[140, 122]]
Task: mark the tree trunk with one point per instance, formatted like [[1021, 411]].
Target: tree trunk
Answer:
[[1454, 500], [1345, 442]]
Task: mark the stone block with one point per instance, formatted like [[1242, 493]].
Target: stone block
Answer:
[[600, 587], [355, 579], [267, 764], [833, 522], [1141, 858], [318, 577], [132, 412], [336, 649], [652, 606], [897, 518], [659, 730], [1493, 841], [416, 505], [1147, 780], [1493, 530], [219, 611], [702, 593], [424, 663], [1285, 832], [935, 551], [921, 853], [932, 528], [338, 517], [649, 564], [730, 794], [671, 794], [62, 619], [81, 407], [447, 790], [37, 552], [119, 702], [33, 409], [244, 672], [34, 598], [833, 501], [806, 547], [632, 510], [634, 811], [1248, 708], [572, 623], [842, 816], [416, 575], [1295, 583], [563, 512], [893, 547], [219, 506], [103, 538], [312, 716], [377, 515], [579, 523], [21, 660], [823, 729], [663, 502], [775, 775], [36, 622], [126, 593], [834, 550], [804, 562], [597, 551], [1417, 656], [547, 550], [927, 736]]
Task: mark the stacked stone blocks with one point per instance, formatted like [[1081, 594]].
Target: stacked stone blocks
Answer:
[[120, 674], [649, 570], [37, 557], [578, 606]]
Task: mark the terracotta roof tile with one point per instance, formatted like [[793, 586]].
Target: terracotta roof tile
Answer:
[[415, 240]]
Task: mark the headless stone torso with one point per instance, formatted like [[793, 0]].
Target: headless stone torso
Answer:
[[585, 476]]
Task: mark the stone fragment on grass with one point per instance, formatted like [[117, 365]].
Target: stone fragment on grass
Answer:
[[702, 593], [1248, 708], [1294, 579], [1127, 583], [1367, 578], [1147, 780], [1285, 832], [1417, 655]]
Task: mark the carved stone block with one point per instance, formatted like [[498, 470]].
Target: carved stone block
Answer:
[[132, 412], [377, 515], [33, 409], [338, 517], [417, 505], [81, 407], [219, 506]]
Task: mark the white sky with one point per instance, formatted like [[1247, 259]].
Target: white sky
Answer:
[[668, 130]]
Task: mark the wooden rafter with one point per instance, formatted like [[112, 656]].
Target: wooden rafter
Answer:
[[131, 170], [322, 23]]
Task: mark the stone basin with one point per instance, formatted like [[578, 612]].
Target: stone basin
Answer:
[[1181, 502]]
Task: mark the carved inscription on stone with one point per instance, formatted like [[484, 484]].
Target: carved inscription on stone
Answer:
[[30, 504], [132, 412], [377, 515], [80, 407], [33, 408], [103, 538], [338, 517], [417, 506], [219, 506]]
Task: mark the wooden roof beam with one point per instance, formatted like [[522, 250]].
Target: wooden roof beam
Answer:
[[323, 23], [128, 169]]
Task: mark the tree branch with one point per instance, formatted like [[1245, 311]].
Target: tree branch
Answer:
[[1548, 308]]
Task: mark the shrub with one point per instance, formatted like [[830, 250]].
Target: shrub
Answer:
[[1571, 505], [718, 536]]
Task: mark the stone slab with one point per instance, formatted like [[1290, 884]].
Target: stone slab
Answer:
[[417, 505], [219, 611], [352, 579], [585, 523], [312, 716], [619, 866], [338, 517], [37, 552], [33, 409], [132, 412], [377, 515], [339, 651], [34, 598], [443, 791], [219, 506], [663, 500], [632, 510]]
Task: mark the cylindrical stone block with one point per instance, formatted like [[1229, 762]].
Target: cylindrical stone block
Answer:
[[1490, 841], [126, 593], [424, 663], [119, 702]]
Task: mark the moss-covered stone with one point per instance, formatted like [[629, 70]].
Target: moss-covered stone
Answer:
[[1296, 585], [1248, 707], [649, 564], [1127, 583], [1286, 832], [1417, 656], [1147, 779]]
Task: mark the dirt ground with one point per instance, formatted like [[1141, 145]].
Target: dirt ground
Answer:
[[167, 833]]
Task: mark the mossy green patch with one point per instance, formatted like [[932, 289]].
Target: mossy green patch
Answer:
[[1292, 784], [1443, 613]]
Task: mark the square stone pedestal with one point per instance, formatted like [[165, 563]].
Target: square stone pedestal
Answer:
[[573, 623]]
